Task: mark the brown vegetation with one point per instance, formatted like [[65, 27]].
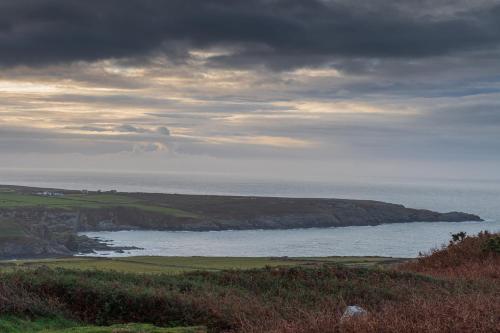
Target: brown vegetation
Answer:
[[465, 257], [441, 297], [470, 262], [453, 313]]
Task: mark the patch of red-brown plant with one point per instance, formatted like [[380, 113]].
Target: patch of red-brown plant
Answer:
[[478, 313], [456, 289], [473, 260], [469, 258]]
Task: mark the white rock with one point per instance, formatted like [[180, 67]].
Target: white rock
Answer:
[[353, 311]]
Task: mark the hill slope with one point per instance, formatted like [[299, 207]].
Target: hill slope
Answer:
[[45, 221]]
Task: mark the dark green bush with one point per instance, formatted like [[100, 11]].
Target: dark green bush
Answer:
[[492, 244]]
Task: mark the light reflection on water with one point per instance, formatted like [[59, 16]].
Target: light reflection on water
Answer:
[[394, 240]]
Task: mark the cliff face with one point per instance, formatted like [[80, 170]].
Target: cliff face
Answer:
[[44, 232], [44, 222], [30, 247], [265, 213], [50, 231]]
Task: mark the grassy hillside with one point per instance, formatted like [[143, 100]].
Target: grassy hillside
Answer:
[[15, 199], [228, 212], [422, 296]]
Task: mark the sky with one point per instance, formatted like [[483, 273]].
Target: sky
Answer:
[[270, 88]]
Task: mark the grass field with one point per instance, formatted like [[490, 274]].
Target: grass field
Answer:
[[72, 201], [453, 289], [176, 265], [9, 324]]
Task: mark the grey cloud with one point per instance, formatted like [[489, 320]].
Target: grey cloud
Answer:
[[480, 114], [444, 133], [238, 151], [182, 115], [279, 33], [129, 128], [125, 128], [115, 100], [87, 128], [163, 130], [29, 140], [44, 144], [148, 147]]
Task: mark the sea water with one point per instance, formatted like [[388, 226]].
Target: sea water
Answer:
[[480, 197]]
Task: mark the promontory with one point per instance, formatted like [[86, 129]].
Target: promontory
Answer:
[[40, 222]]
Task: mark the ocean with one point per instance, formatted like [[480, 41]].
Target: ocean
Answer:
[[481, 197]]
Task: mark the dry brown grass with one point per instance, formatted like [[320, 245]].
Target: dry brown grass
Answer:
[[16, 299], [454, 289], [476, 308], [454, 313], [467, 259], [478, 313]]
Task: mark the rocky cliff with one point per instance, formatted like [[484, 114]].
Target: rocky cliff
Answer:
[[48, 231]]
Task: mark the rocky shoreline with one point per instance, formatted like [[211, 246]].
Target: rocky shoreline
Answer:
[[44, 231], [34, 248]]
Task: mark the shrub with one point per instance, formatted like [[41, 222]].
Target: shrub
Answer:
[[492, 244], [467, 257], [297, 299]]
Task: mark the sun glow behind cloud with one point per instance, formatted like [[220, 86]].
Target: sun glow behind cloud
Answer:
[[14, 87], [76, 107], [401, 90], [274, 141]]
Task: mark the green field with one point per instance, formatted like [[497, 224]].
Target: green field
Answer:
[[72, 201], [176, 265], [9, 324]]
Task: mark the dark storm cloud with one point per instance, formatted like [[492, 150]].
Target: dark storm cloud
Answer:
[[280, 33]]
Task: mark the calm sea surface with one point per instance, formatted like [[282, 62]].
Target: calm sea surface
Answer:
[[481, 197]]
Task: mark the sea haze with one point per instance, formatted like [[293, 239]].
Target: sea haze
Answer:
[[480, 197]]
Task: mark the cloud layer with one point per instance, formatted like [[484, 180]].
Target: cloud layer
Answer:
[[281, 33], [316, 82]]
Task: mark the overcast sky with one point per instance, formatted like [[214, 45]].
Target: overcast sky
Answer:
[[263, 87]]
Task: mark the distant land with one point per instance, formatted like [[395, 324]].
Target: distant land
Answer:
[[43, 222]]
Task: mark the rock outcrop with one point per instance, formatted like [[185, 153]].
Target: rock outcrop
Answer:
[[353, 311], [53, 231]]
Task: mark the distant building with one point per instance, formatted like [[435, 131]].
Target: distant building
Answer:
[[50, 194], [85, 191]]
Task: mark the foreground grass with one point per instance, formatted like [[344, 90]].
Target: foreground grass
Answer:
[[9, 324], [177, 265], [226, 300], [129, 328], [413, 297]]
